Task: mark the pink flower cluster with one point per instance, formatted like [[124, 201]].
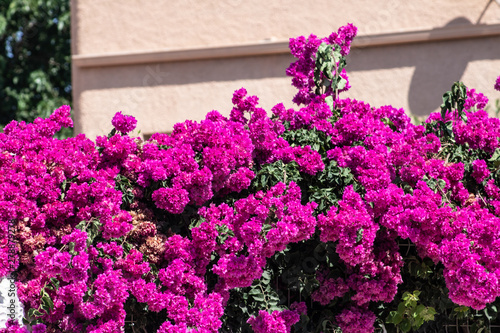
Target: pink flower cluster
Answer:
[[241, 257], [262, 224], [275, 322], [94, 230], [391, 149], [71, 229], [123, 123], [302, 70], [356, 320], [13, 327], [426, 216], [199, 161]]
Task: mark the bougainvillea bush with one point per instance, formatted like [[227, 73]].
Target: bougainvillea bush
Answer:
[[334, 216]]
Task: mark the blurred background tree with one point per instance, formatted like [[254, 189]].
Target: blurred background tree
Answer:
[[35, 60]]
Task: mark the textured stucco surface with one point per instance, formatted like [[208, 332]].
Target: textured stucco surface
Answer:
[[412, 76], [415, 76], [160, 95], [104, 26]]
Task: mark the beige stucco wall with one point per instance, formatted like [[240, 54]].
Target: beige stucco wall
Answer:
[[161, 93]]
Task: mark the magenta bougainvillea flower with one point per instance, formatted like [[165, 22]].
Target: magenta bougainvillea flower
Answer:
[[123, 123], [260, 221]]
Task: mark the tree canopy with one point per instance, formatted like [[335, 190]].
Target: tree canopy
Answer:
[[35, 62]]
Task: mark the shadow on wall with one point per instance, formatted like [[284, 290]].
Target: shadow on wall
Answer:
[[186, 72], [435, 73], [436, 64]]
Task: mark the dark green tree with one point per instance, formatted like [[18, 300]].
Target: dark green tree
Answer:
[[35, 58]]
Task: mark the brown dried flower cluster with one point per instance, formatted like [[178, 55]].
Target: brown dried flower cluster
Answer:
[[144, 234]]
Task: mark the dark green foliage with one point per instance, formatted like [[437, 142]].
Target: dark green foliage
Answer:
[[124, 185], [35, 59], [329, 65]]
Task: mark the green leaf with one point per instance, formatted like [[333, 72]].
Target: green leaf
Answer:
[[329, 102], [495, 156], [31, 312], [71, 247], [255, 291], [394, 317], [259, 297], [3, 24], [92, 228], [464, 117], [446, 104], [337, 56], [34, 313], [341, 83], [428, 313], [359, 235], [47, 303], [55, 282], [418, 322], [441, 183], [127, 247], [461, 309], [389, 123], [419, 309], [125, 186], [112, 133], [81, 225], [266, 277], [405, 325], [402, 307]]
